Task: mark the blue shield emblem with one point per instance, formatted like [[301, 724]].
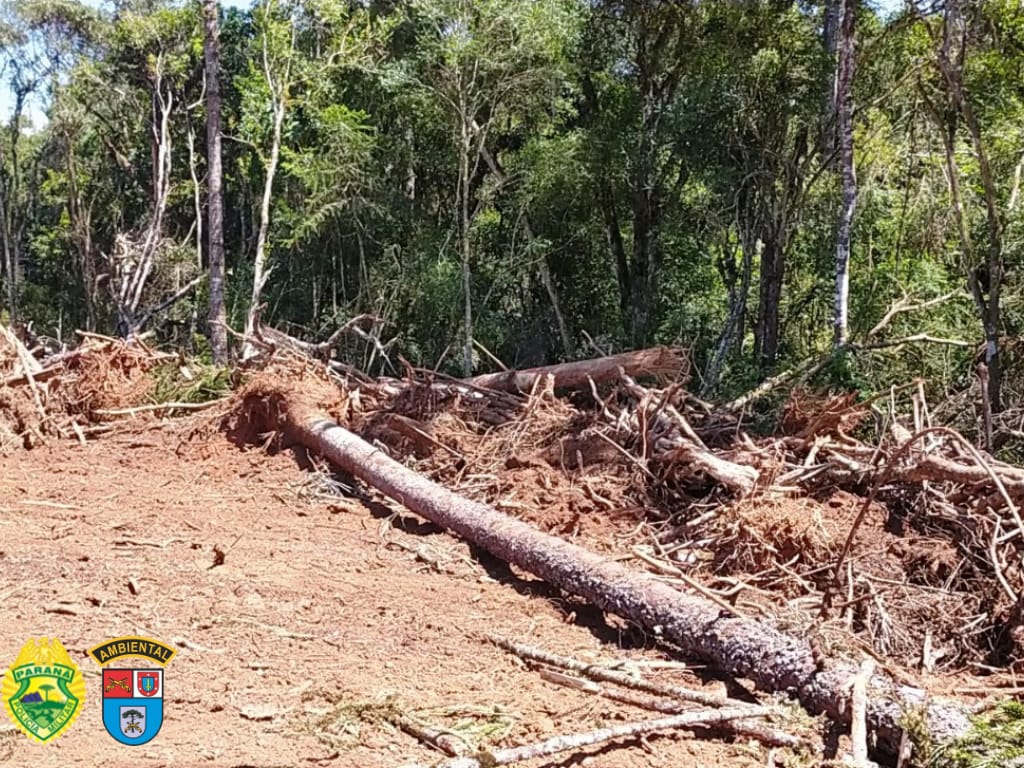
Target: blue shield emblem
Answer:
[[133, 704]]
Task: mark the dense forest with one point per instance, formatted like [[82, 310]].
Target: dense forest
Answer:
[[768, 183]]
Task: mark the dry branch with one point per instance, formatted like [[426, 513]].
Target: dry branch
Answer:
[[312, 349], [742, 647], [657, 361], [596, 672], [675, 444], [672, 699], [558, 744]]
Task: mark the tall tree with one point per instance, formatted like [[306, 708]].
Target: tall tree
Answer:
[[848, 176], [214, 181], [277, 39], [635, 57], [959, 35], [37, 40], [487, 61]]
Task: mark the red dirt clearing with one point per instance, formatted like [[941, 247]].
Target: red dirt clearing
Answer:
[[321, 613]]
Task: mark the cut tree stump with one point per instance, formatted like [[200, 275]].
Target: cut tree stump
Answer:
[[742, 647], [656, 361]]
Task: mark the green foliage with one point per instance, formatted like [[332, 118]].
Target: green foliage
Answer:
[[692, 134], [203, 382], [996, 739]]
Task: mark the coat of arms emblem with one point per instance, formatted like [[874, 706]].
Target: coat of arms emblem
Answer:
[[133, 704], [43, 690]]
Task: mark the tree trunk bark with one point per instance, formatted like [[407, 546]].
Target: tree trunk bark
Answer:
[[830, 41], [465, 248], [844, 98], [657, 361], [742, 647], [616, 247], [214, 181], [770, 296], [10, 265]]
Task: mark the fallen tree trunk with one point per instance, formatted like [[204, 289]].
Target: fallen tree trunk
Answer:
[[742, 647], [656, 361]]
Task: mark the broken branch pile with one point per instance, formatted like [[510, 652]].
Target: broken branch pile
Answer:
[[909, 546], [76, 393]]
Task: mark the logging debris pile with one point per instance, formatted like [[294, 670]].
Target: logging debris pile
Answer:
[[925, 531], [83, 392], [867, 529]]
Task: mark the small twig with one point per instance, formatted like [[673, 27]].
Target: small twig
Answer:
[[159, 407], [441, 740], [146, 543], [629, 457], [173, 298], [914, 339], [903, 305], [490, 355], [859, 711], [692, 583]]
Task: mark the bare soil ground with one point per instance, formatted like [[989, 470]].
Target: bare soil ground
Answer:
[[299, 617]]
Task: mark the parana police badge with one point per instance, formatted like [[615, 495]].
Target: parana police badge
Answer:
[[133, 699], [43, 690]]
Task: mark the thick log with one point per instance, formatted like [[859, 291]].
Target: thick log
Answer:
[[656, 361], [742, 647]]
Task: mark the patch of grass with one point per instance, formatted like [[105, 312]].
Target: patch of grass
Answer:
[[914, 722], [995, 740], [342, 726], [476, 726]]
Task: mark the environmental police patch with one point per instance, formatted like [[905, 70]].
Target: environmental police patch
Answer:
[[139, 647], [43, 690], [133, 698]]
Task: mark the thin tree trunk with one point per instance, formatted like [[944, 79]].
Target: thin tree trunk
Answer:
[[197, 197], [80, 215], [8, 201], [987, 285], [10, 262], [278, 87], [742, 647], [732, 333], [616, 246], [830, 40], [465, 248], [643, 271], [214, 189], [844, 97], [549, 287]]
